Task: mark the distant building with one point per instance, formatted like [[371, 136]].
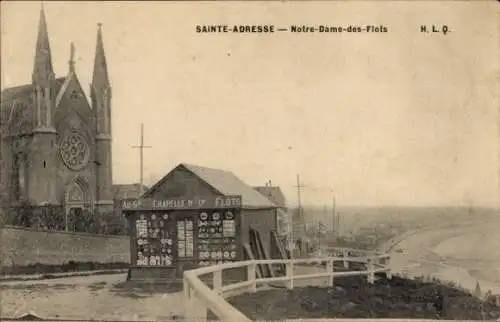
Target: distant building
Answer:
[[128, 191], [276, 196]]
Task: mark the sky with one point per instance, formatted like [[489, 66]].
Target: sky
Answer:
[[398, 118]]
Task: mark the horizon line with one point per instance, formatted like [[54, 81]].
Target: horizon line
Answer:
[[329, 207]]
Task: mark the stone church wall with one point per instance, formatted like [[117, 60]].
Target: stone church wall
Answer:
[[24, 246]]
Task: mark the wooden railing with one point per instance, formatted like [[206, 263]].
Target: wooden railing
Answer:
[[200, 298]]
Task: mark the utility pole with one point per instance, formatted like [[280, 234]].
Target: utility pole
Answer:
[[298, 186], [141, 148], [334, 217], [338, 224]]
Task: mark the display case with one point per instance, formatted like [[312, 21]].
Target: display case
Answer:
[[154, 239], [217, 241]]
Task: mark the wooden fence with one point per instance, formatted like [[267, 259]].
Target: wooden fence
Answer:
[[199, 297]]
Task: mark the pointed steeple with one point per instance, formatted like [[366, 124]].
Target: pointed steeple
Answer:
[[100, 89], [42, 70], [71, 58], [100, 79], [477, 291]]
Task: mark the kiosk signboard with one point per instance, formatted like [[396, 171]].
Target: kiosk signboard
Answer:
[[223, 202]]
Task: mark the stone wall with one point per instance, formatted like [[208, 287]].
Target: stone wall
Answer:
[[25, 246]]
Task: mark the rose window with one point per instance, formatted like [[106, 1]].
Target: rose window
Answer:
[[74, 151]]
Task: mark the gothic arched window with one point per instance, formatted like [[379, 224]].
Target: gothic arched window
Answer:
[[75, 193]]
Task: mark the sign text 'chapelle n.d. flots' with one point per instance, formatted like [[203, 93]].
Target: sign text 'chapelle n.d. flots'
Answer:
[[210, 202]]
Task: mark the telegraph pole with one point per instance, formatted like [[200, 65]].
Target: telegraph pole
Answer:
[[338, 224], [334, 217], [141, 148], [298, 186]]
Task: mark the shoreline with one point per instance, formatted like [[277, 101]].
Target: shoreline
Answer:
[[422, 259]]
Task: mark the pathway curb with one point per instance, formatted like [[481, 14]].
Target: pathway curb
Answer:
[[40, 277]]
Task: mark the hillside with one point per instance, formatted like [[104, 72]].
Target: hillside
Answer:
[[355, 298]]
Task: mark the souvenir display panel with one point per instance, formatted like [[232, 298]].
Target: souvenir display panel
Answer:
[[185, 242], [216, 237], [154, 240]]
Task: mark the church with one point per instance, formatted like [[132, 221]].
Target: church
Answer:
[[55, 144]]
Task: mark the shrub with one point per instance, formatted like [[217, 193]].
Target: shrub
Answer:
[[53, 218]]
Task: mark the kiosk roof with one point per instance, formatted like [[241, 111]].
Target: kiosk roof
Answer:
[[225, 182]]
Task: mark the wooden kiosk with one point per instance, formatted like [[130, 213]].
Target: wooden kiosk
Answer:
[[173, 235]]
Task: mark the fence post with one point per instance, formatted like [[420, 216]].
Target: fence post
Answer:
[[329, 269], [217, 281], [188, 301], [289, 274], [251, 272], [194, 308], [345, 254], [370, 269]]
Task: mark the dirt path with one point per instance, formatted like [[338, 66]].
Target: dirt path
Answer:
[[94, 297], [103, 297]]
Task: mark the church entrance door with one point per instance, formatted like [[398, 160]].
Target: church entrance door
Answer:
[[77, 216], [77, 206]]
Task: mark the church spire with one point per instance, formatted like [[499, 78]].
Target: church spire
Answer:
[[71, 58], [100, 89], [42, 70], [100, 79], [43, 79]]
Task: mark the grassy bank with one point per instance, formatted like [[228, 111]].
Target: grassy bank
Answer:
[[355, 298]]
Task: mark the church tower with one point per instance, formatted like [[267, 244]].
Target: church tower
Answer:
[[100, 93], [41, 159]]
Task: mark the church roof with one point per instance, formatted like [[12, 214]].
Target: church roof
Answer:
[[23, 92], [226, 183], [274, 194], [14, 116]]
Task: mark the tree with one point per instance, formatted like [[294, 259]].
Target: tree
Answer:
[[3, 181], [477, 291]]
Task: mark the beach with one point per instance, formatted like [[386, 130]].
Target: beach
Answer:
[[465, 256]]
